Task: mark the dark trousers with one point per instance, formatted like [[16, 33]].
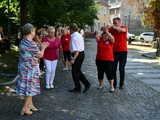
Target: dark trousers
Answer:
[[41, 65], [77, 73], [121, 59], [104, 67]]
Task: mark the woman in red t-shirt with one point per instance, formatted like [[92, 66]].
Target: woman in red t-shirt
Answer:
[[105, 58], [51, 55], [65, 41]]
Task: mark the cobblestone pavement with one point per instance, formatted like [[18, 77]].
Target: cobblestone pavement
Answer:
[[145, 69], [138, 101]]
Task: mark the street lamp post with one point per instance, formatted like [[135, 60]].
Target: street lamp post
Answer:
[[125, 20], [129, 20], [158, 46]]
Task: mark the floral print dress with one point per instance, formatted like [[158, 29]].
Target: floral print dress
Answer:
[[28, 83]]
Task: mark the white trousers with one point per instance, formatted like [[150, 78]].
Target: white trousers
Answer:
[[50, 71]]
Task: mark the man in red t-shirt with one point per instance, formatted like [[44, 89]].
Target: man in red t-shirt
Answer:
[[120, 49]]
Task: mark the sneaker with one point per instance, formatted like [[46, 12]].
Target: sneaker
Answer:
[[100, 87], [65, 69], [48, 87], [112, 90], [51, 86]]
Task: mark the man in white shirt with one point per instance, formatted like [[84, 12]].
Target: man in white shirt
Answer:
[[77, 50], [82, 32]]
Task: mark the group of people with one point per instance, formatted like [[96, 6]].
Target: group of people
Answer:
[[111, 51], [45, 45]]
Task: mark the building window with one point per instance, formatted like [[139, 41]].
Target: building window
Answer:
[[106, 11], [112, 11], [117, 11], [111, 1]]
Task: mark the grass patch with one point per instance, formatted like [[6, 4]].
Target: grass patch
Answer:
[[9, 63], [4, 80]]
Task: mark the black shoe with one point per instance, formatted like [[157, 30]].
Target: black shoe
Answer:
[[75, 91], [86, 88]]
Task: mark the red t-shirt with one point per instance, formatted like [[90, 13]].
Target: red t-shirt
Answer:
[[120, 44], [52, 52], [104, 50], [65, 41]]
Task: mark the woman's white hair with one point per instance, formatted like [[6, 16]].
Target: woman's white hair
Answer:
[[51, 28]]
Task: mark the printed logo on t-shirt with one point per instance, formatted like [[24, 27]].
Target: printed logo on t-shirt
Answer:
[[107, 42]]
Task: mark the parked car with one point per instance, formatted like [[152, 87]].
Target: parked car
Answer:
[[146, 37], [130, 37]]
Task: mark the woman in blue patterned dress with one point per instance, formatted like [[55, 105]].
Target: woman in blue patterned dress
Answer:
[[28, 83]]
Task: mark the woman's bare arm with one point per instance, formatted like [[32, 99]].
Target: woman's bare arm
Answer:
[[119, 29], [111, 38], [44, 45]]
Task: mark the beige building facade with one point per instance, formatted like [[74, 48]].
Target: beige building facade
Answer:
[[130, 11], [103, 15]]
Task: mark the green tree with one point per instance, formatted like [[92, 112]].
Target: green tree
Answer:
[[39, 12], [45, 11], [152, 18], [82, 12], [10, 9], [9, 14]]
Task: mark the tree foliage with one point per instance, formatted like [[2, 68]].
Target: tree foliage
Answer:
[[152, 15], [82, 12], [40, 12], [10, 9]]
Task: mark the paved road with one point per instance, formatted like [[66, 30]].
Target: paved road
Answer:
[[144, 69], [138, 101]]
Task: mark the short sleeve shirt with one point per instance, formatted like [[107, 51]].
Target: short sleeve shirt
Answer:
[[120, 44], [51, 52], [77, 42], [104, 50], [65, 41]]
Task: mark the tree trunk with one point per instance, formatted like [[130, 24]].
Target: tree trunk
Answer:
[[158, 47], [23, 11]]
